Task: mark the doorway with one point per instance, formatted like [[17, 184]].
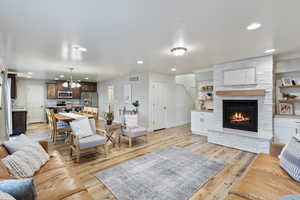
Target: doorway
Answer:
[[159, 105], [35, 95]]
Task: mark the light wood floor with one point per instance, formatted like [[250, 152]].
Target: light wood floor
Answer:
[[215, 189]]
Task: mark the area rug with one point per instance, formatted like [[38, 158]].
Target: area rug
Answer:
[[170, 174]]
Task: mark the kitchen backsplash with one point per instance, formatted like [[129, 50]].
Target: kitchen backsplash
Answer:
[[52, 102]]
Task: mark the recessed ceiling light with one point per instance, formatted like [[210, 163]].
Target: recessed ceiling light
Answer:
[[61, 76], [82, 49], [179, 51], [29, 73], [254, 26], [270, 51], [173, 69], [140, 62], [86, 78]]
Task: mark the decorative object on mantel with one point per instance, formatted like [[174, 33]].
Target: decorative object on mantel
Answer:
[[109, 117], [285, 108], [286, 81], [288, 96], [136, 104], [261, 92]]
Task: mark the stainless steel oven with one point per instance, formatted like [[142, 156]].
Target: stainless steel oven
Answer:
[[65, 95]]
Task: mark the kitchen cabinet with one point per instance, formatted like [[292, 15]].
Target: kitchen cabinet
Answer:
[[285, 129], [13, 86], [19, 122], [51, 91], [89, 87], [76, 93], [201, 122]]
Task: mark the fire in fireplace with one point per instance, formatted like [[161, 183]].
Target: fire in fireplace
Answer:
[[240, 114]]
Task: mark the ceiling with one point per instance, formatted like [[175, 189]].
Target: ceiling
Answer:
[[37, 36]]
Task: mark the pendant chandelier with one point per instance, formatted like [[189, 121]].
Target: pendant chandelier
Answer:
[[70, 83]]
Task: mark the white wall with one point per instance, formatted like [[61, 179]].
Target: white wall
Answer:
[[179, 102], [22, 96], [140, 92]]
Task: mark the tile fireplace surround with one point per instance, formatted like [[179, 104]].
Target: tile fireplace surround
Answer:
[[257, 142]]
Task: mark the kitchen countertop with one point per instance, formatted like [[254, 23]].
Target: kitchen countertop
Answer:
[[57, 107], [18, 110]]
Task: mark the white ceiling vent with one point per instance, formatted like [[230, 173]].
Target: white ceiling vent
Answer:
[[134, 78]]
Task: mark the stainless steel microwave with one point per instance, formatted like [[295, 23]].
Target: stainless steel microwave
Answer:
[[65, 95]]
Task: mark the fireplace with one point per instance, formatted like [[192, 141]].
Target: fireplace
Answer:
[[240, 114]]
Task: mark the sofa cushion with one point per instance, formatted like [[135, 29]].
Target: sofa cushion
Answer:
[[234, 197], [91, 141], [3, 151], [269, 164], [135, 132], [84, 195], [19, 188], [55, 162], [262, 185], [4, 172], [17, 143], [20, 164], [56, 184]]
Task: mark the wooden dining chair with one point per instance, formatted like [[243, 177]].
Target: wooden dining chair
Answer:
[[94, 111], [86, 109], [57, 127]]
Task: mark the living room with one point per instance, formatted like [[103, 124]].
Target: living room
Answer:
[[138, 100]]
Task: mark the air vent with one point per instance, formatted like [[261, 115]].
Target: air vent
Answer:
[[134, 78]]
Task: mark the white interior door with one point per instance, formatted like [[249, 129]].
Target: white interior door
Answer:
[[159, 111], [35, 103]]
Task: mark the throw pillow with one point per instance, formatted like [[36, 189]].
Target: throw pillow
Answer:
[[290, 159], [17, 143], [6, 196], [20, 164], [82, 128], [19, 188]]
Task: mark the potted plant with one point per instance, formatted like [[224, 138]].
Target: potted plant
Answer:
[[136, 104], [109, 117]]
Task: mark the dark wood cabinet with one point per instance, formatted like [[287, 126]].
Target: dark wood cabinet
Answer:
[[19, 122], [51, 91], [13, 86], [76, 93], [89, 87], [55, 87]]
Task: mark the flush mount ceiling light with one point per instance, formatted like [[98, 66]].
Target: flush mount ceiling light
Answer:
[[179, 51], [270, 51], [140, 62], [86, 78], [56, 79], [71, 83], [61, 76], [29, 73], [254, 26], [173, 69]]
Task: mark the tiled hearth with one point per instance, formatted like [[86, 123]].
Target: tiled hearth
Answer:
[[252, 140]]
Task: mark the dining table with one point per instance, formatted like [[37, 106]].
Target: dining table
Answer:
[[69, 118]]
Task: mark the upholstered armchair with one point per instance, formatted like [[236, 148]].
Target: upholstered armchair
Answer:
[[85, 137], [133, 130]]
